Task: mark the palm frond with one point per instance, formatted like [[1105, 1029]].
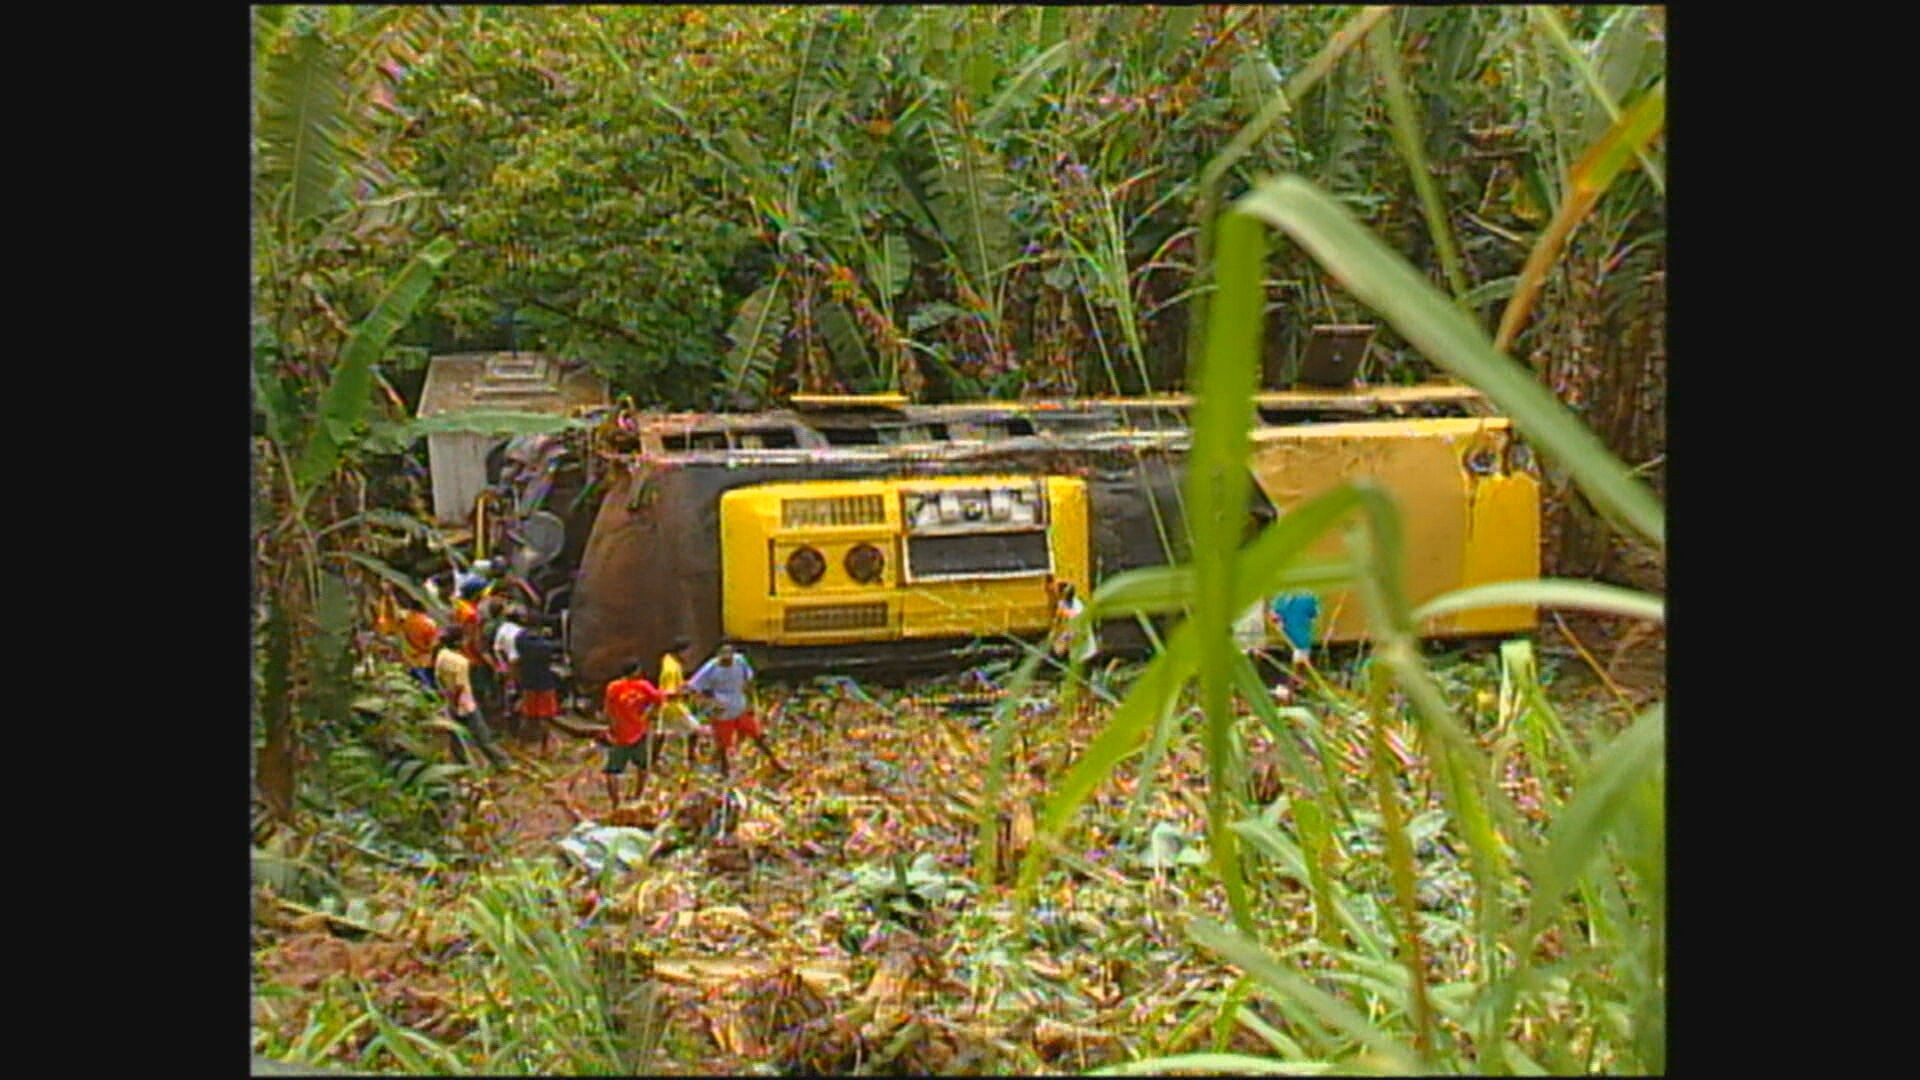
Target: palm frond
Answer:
[[850, 351], [972, 202], [302, 107], [756, 334]]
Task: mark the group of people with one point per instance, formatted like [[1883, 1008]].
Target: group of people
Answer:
[[642, 714], [497, 661], [493, 664]]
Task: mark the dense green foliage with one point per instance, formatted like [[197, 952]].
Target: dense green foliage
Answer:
[[710, 202]]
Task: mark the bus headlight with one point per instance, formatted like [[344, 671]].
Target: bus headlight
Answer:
[[865, 564], [806, 566]]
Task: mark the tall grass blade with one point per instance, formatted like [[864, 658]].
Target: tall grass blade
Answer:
[[1149, 697], [1590, 179], [1251, 958], [1447, 336], [1149, 771], [1623, 22], [1263, 565], [1548, 592], [1411, 144], [1225, 1064], [1399, 861], [1217, 489], [1577, 831], [1299, 862], [1487, 292], [416, 1053], [1247, 680], [1006, 719], [1597, 810]]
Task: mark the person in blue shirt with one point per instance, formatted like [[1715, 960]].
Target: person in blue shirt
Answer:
[[724, 683], [1293, 615]]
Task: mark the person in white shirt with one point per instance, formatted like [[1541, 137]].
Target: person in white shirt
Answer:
[[1066, 609], [504, 654]]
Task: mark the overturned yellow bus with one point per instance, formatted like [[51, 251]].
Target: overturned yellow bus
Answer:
[[853, 533]]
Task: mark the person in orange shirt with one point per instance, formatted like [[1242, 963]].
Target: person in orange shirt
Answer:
[[419, 637], [629, 705], [417, 633]]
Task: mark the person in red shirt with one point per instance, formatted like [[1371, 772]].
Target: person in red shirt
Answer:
[[630, 704]]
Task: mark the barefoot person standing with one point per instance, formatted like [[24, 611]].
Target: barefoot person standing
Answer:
[[724, 681]]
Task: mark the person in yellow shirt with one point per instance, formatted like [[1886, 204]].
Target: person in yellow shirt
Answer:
[[453, 677], [675, 717]]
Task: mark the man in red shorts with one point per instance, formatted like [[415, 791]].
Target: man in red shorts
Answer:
[[534, 651], [724, 681], [630, 702]]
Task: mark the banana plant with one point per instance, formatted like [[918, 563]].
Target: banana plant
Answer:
[[315, 140]]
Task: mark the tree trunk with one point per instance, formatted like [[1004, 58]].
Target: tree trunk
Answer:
[[275, 766]]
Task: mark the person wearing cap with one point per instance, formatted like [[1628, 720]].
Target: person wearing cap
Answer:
[[470, 583]]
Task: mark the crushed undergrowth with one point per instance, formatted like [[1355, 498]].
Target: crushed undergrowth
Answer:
[[840, 926]]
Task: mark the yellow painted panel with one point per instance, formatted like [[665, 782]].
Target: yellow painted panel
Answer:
[[748, 519], [974, 608], [1423, 463], [1503, 545], [849, 401], [994, 606], [1072, 558], [757, 594]]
